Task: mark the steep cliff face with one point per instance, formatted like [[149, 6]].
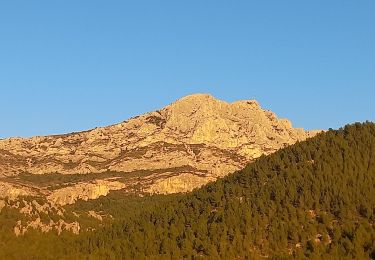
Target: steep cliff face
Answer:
[[210, 137]]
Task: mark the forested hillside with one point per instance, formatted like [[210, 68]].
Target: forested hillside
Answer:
[[315, 199]]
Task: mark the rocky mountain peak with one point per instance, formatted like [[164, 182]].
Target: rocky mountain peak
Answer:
[[202, 119], [197, 98], [207, 105], [192, 141], [193, 106]]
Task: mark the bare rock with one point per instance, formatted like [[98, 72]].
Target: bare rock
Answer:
[[184, 182], [13, 191], [95, 215], [83, 191], [37, 224], [199, 131], [2, 205]]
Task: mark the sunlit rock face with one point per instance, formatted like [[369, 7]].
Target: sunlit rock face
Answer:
[[83, 191], [188, 143]]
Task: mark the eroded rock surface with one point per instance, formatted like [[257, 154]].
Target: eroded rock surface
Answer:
[[183, 182], [13, 191], [83, 191], [211, 136], [37, 224]]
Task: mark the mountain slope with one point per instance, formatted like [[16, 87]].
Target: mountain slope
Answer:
[[180, 147], [314, 199]]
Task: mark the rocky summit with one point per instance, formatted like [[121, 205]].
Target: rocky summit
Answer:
[[190, 142]]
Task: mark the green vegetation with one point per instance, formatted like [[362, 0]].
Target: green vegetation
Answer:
[[54, 181], [315, 199]]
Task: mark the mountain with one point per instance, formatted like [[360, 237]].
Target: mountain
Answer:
[[185, 145], [311, 200]]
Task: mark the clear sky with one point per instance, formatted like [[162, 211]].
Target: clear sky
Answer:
[[73, 65]]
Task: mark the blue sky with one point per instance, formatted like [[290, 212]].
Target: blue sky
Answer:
[[74, 65]]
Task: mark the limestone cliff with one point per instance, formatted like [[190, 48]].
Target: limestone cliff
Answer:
[[210, 137]]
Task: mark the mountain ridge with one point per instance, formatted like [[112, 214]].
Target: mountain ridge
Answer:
[[209, 136], [183, 146]]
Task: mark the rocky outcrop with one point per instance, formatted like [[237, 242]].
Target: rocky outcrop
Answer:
[[37, 224], [31, 212], [184, 182], [95, 215], [83, 191], [2, 205], [13, 191], [213, 137]]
